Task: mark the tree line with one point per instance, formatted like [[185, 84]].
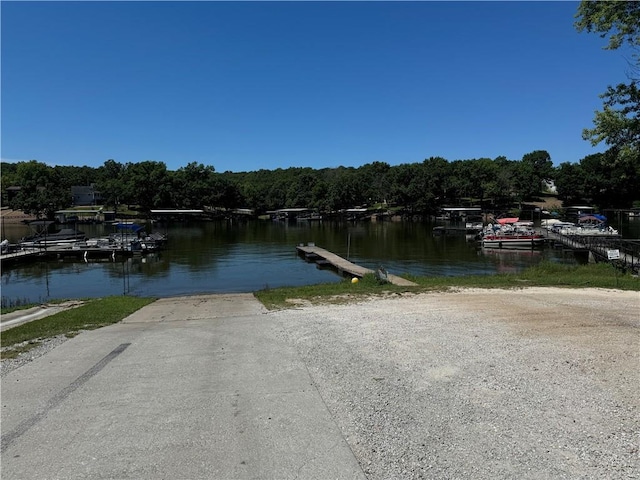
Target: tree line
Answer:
[[421, 188], [606, 180]]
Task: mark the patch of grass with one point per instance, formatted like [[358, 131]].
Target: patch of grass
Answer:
[[93, 314], [546, 274], [601, 275], [275, 298]]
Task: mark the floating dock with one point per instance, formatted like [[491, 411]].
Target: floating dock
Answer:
[[324, 257]]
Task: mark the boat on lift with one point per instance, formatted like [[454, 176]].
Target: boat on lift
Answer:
[[46, 235]]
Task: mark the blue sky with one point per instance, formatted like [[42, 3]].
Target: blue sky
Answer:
[[249, 85]]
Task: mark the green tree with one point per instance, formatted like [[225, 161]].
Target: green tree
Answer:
[[300, 192], [148, 185], [224, 193], [604, 179], [438, 170], [374, 180], [541, 165], [618, 124], [8, 178], [401, 192], [253, 195], [571, 183], [482, 173], [419, 187], [345, 190], [319, 196], [613, 180], [76, 176], [42, 191], [111, 183], [502, 186], [277, 192], [462, 181], [194, 186]]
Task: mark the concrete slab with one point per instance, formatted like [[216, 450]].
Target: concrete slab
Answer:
[[198, 307], [13, 319], [198, 387]]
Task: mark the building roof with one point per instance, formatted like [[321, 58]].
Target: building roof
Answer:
[[169, 211]]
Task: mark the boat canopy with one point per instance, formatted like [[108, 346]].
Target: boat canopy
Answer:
[[592, 218], [503, 221], [128, 226]]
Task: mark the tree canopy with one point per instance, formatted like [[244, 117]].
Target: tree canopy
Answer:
[[618, 123]]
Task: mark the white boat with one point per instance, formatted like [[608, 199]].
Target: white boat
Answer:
[[589, 231], [510, 234], [555, 224], [588, 226], [474, 226], [60, 237]]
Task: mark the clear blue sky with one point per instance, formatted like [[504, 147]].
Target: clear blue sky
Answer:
[[249, 85]]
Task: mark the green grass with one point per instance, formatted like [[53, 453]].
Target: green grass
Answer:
[[547, 274], [93, 314], [342, 291]]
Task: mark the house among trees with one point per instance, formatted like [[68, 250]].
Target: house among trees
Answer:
[[85, 195]]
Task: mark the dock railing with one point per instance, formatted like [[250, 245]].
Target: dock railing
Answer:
[[601, 245]]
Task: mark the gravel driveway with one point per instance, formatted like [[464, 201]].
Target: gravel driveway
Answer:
[[536, 383]]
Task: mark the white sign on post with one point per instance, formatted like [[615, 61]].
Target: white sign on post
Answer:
[[613, 254]]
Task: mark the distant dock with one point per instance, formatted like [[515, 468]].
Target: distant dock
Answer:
[[62, 252], [21, 255], [321, 256]]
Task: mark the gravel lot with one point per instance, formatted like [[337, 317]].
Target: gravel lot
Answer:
[[538, 383], [534, 383]]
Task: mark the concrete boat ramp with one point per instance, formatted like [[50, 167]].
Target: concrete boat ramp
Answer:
[[201, 387], [321, 256]]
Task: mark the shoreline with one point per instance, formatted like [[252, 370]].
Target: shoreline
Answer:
[[296, 304]]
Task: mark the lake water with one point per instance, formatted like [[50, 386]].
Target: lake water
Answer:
[[227, 257]]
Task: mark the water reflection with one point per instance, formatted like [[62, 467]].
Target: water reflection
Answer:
[[215, 257]]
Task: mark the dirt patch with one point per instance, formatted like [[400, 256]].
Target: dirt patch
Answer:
[[15, 216]]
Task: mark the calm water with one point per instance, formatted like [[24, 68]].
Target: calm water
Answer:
[[224, 257]]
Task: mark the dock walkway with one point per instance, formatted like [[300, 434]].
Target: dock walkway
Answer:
[[19, 255], [599, 246], [64, 251], [313, 253]]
